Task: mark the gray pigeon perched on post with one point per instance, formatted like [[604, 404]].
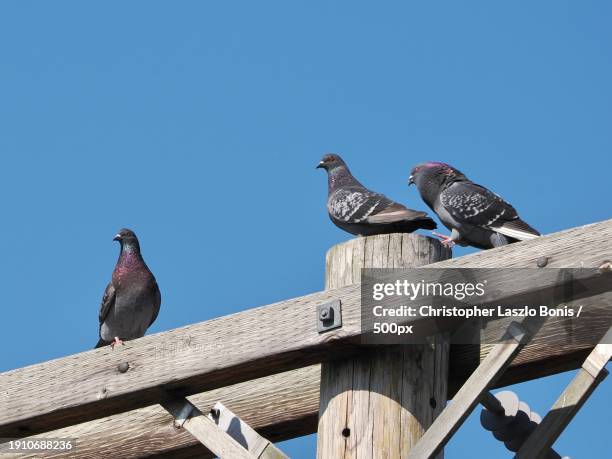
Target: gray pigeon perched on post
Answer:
[[475, 215], [131, 300], [357, 210]]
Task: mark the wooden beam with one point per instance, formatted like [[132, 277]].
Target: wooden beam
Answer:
[[469, 395], [172, 361], [593, 371], [278, 407]]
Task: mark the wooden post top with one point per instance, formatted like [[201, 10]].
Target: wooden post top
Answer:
[[344, 261]]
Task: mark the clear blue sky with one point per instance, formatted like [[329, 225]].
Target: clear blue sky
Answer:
[[198, 125]]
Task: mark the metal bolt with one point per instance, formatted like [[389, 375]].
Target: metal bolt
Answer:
[[542, 261], [328, 316], [123, 367]]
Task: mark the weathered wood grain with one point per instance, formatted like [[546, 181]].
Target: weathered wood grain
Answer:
[[378, 404], [279, 407], [290, 400]]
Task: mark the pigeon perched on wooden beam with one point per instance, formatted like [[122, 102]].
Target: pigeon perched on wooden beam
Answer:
[[475, 215], [357, 210], [131, 300]]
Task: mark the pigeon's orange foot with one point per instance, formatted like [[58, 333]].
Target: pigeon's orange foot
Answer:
[[446, 240], [117, 341]]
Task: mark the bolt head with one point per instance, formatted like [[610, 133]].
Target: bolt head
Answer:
[[123, 367], [542, 261]]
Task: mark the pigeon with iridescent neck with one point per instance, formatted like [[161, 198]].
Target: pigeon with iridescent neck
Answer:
[[131, 300], [475, 215], [357, 210]]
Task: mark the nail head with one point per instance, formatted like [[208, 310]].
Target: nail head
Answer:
[[542, 261]]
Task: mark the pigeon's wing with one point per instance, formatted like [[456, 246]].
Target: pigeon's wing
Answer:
[[353, 204], [360, 205], [156, 304], [478, 206], [395, 212], [108, 300]]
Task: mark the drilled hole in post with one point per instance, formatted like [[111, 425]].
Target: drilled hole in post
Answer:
[[346, 432], [433, 403]]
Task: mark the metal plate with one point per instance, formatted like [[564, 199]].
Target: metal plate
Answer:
[[329, 316]]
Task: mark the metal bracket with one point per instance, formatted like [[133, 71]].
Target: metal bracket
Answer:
[[329, 316], [183, 415]]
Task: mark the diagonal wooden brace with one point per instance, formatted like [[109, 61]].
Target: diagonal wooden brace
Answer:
[[570, 401], [473, 391], [244, 434], [221, 431], [188, 417]]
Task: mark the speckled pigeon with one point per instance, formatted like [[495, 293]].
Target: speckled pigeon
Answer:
[[475, 215], [131, 300], [355, 209]]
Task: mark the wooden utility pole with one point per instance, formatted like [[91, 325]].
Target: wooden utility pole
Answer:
[[379, 404]]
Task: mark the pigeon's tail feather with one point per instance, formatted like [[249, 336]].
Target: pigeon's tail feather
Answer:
[[403, 221], [518, 229], [400, 214], [101, 343]]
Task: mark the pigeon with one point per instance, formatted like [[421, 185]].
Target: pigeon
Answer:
[[131, 300], [475, 215], [362, 212]]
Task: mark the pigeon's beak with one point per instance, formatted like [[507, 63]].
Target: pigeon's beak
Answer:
[[117, 237], [411, 180], [321, 165]]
